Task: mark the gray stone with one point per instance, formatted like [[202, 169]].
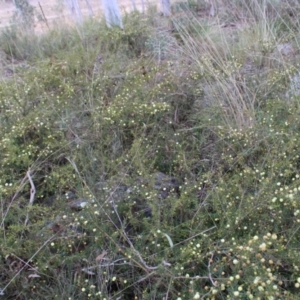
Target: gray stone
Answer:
[[78, 204], [286, 49], [165, 184]]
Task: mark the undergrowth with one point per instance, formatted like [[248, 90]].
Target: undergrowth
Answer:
[[154, 162]]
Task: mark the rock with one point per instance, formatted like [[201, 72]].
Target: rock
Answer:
[[165, 184], [294, 90], [78, 204], [49, 201], [130, 199], [70, 195], [119, 192], [286, 49]]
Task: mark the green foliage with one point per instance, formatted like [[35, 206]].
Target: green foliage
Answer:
[[129, 170]]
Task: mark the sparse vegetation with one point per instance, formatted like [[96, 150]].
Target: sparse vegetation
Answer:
[[158, 161]]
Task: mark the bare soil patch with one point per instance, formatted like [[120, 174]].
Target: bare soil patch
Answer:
[[56, 12]]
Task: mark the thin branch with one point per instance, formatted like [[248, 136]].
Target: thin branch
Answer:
[[32, 194], [189, 278], [192, 237], [209, 272], [130, 243], [24, 262], [21, 269], [145, 277], [44, 15]]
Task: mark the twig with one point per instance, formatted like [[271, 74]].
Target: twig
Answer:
[[24, 262], [131, 245], [148, 268], [169, 287], [145, 277], [21, 269], [192, 237], [209, 273], [113, 263], [44, 16], [32, 194], [193, 278]]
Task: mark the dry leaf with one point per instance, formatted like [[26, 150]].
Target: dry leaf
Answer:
[[100, 256]]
